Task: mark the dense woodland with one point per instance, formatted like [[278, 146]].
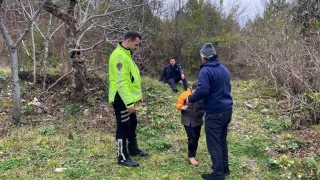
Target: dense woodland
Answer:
[[39, 40]]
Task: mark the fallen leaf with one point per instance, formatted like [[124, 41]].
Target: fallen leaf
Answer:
[[60, 169]]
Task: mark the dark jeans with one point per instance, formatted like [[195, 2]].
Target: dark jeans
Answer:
[[126, 128], [216, 128], [193, 134], [172, 82]]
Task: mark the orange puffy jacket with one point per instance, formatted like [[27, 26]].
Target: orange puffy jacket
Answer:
[[193, 115]]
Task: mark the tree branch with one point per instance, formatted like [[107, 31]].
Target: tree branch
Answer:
[[96, 68], [62, 77], [55, 10], [50, 36], [90, 48], [6, 33], [43, 36], [108, 13], [26, 49], [29, 17], [57, 81], [36, 14], [87, 9], [72, 4], [82, 34]]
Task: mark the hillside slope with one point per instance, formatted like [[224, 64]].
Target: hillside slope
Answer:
[[80, 138]]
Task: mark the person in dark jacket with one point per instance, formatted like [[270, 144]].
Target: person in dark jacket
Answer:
[[214, 88], [172, 74], [192, 119]]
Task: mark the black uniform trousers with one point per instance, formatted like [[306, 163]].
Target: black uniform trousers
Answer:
[[126, 129], [173, 81]]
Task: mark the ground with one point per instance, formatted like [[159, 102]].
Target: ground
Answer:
[[78, 138]]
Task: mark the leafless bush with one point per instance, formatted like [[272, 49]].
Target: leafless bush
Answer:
[[292, 61]]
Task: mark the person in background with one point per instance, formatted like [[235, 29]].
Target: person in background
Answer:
[[214, 88], [192, 119], [172, 74]]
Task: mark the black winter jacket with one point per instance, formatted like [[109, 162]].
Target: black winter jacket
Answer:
[[167, 71]]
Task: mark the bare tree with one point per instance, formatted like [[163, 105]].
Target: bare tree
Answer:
[[47, 36], [13, 49], [290, 59], [87, 26]]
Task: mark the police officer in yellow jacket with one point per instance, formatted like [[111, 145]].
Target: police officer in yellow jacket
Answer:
[[124, 93]]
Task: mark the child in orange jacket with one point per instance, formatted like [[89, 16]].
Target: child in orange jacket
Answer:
[[192, 119]]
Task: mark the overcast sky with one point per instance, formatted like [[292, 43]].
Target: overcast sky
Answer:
[[250, 7]]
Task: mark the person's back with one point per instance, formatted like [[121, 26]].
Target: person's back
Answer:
[[219, 94]]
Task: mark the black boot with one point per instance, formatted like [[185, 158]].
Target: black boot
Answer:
[[128, 162], [212, 177], [226, 171], [133, 148], [140, 153], [175, 90], [123, 156]]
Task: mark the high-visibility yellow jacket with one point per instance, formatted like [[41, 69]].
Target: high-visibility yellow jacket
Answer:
[[124, 77]]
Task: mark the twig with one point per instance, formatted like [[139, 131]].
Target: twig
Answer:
[[50, 87], [108, 13], [96, 68], [86, 49], [58, 80]]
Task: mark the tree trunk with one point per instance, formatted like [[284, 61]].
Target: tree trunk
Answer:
[[79, 81], [16, 115], [78, 66], [34, 56], [79, 71], [46, 53], [44, 64]]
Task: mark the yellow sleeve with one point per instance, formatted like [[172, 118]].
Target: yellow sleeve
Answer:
[[181, 100]]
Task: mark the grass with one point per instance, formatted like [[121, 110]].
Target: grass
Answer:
[[89, 152], [4, 71]]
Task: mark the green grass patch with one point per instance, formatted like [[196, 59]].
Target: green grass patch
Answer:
[[88, 152], [11, 163]]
